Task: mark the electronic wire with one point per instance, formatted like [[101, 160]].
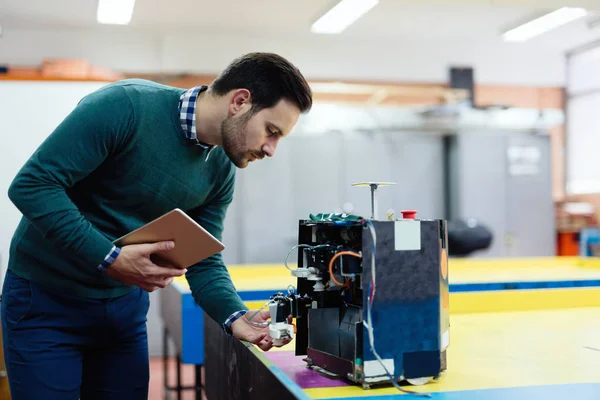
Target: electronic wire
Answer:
[[300, 246], [254, 314], [369, 323]]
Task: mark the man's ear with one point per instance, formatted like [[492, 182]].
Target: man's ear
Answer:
[[240, 101]]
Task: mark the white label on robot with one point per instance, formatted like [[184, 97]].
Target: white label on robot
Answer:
[[374, 371], [445, 340], [407, 235]]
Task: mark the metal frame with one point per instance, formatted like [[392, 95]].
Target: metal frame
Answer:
[[179, 388]]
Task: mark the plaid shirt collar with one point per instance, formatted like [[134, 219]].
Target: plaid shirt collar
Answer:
[[187, 114]]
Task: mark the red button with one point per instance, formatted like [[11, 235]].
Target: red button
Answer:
[[409, 214]]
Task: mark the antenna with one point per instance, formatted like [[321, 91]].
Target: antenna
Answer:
[[374, 186]]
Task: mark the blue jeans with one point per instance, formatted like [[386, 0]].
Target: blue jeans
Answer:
[[63, 347]]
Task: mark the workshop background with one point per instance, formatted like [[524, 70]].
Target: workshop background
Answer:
[[498, 131]]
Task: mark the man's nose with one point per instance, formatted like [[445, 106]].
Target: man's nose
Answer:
[[270, 147]]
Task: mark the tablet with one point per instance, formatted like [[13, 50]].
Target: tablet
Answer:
[[193, 243]]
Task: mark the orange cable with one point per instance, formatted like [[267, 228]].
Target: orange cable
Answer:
[[341, 253]]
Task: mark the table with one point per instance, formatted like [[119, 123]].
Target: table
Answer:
[[486, 288], [550, 355]]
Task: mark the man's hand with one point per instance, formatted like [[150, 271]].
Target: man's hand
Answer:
[[243, 329], [134, 267]]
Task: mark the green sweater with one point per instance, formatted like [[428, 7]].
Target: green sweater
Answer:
[[118, 161]]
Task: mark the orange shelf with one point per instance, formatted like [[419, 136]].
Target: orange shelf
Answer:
[[22, 77]]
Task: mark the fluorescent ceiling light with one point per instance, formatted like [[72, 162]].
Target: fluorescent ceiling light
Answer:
[[544, 24], [115, 12], [342, 15]]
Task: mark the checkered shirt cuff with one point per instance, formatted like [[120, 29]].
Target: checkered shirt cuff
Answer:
[[110, 257], [232, 318]]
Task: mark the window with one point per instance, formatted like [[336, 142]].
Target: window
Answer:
[[583, 122]]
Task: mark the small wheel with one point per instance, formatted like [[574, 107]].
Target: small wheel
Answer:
[[419, 381], [366, 386]]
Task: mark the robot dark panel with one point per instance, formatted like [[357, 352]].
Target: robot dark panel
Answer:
[[324, 324], [407, 313], [407, 302]]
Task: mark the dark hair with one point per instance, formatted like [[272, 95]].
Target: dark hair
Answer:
[[269, 78]]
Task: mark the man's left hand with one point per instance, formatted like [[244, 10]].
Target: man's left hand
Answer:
[[243, 329]]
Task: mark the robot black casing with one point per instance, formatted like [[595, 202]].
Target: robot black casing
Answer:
[[409, 312]]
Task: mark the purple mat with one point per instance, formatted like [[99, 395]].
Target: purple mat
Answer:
[[296, 369]]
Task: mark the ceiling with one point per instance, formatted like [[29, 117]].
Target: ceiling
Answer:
[[474, 21]]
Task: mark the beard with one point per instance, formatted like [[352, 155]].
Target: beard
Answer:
[[234, 139]]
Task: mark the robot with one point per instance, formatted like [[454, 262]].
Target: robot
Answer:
[[371, 301]]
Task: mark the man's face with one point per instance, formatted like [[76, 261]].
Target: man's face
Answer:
[[249, 136]]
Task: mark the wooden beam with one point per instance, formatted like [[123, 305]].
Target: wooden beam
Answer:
[[519, 96], [403, 93], [367, 93], [378, 97], [49, 72]]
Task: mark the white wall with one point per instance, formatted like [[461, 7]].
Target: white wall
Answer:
[[318, 57], [118, 50], [29, 111]]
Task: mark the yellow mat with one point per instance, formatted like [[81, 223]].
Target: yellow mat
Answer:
[[276, 276], [517, 349], [268, 276]]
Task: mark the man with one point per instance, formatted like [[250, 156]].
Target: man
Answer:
[[73, 305]]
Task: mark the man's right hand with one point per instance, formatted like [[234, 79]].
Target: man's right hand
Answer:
[[134, 267]]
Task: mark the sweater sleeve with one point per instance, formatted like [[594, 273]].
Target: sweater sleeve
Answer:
[[209, 280], [97, 127]]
